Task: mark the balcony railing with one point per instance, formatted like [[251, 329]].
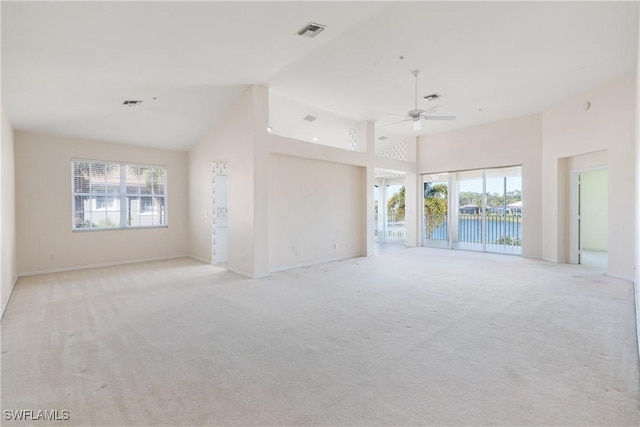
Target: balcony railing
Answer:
[[393, 231], [500, 229]]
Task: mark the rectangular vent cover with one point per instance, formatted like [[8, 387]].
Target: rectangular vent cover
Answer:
[[311, 30]]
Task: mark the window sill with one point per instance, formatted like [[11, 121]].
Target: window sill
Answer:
[[88, 230]]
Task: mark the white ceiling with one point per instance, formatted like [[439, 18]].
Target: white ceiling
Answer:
[[68, 66]]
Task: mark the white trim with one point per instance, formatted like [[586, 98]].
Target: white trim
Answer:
[[309, 264], [620, 276], [573, 217], [573, 211], [248, 275], [202, 260], [13, 287], [106, 264]]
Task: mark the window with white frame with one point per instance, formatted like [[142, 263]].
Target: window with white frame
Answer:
[[109, 195]]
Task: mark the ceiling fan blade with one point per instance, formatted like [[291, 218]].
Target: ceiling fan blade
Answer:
[[399, 115], [395, 123], [439, 117], [434, 109]]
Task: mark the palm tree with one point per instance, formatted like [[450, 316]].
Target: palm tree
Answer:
[[435, 206], [396, 205]]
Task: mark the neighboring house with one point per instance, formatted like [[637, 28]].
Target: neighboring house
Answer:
[[470, 209]]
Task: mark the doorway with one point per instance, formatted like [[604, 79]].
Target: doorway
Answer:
[[389, 213], [593, 218]]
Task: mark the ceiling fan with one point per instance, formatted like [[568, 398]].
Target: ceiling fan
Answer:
[[417, 114]]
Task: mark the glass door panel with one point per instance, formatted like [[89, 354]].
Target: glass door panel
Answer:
[[378, 214], [469, 211], [395, 224], [436, 214], [504, 210]]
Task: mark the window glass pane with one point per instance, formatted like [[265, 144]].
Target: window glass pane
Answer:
[[113, 219], [145, 188], [77, 184], [97, 190], [80, 221]]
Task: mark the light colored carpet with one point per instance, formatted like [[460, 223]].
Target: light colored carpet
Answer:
[[407, 337]]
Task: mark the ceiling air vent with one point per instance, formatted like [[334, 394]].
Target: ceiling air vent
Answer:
[[432, 97], [131, 103], [309, 118], [311, 30]]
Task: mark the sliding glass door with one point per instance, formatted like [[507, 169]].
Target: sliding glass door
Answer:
[[479, 210]]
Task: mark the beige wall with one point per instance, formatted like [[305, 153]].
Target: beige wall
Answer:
[[43, 200], [570, 130], [316, 211], [8, 256], [594, 212], [504, 143]]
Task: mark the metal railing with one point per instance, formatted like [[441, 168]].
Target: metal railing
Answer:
[[394, 230], [500, 229]]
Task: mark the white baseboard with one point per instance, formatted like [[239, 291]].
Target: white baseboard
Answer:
[[200, 259], [13, 286], [311, 263], [106, 264], [620, 276], [247, 274]]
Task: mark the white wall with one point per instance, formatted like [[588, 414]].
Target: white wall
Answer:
[[569, 130], [8, 256], [594, 210], [241, 139], [286, 117], [316, 211], [231, 139], [504, 143], [637, 276], [43, 200]]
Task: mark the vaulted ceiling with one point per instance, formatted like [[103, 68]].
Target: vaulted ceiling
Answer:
[[67, 67]]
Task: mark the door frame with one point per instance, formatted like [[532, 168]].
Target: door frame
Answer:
[[423, 225], [574, 212]]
